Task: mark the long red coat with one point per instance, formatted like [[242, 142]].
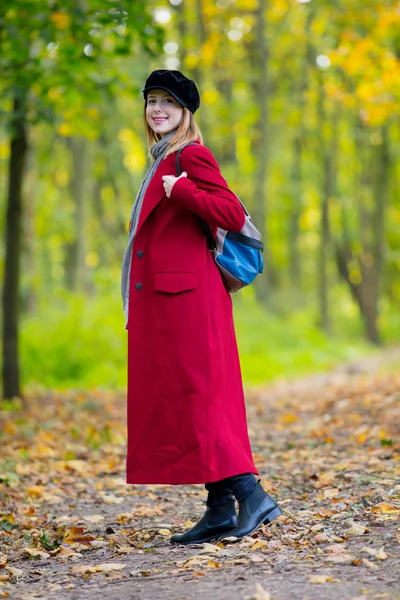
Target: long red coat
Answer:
[[186, 411]]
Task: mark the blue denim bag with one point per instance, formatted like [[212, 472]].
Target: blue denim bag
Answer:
[[238, 255]]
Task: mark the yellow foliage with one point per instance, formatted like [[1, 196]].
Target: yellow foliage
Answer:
[[92, 259], [191, 60], [64, 129], [62, 177], [93, 113], [210, 97], [208, 52], [61, 20], [54, 93], [248, 5], [107, 193], [4, 151]]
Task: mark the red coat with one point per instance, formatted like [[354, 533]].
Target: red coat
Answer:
[[186, 411]]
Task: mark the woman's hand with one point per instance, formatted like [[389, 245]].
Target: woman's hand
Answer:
[[169, 182]]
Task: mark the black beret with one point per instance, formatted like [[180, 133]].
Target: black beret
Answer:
[[181, 88]]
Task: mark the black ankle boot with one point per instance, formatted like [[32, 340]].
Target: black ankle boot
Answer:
[[215, 521], [256, 509]]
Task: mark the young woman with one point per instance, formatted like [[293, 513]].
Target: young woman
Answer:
[[186, 411]]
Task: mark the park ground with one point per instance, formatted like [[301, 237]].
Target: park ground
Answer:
[[327, 448]]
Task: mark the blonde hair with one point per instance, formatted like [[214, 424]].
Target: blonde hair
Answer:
[[187, 131]]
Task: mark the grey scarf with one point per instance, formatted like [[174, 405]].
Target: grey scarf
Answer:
[[158, 152]]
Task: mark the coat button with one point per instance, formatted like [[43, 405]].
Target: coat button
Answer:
[[140, 253], [138, 286]]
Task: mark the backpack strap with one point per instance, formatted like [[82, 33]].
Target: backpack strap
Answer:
[[206, 229]]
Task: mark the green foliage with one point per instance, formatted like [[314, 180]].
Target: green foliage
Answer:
[[317, 116], [82, 342]]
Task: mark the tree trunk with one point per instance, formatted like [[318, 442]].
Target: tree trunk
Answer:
[[75, 260], [11, 284], [366, 288], [259, 59], [328, 145], [294, 228]]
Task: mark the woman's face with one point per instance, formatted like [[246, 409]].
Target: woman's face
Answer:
[[163, 112]]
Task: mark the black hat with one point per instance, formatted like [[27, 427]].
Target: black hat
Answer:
[[184, 90]]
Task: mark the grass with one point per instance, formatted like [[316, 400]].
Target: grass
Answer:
[[81, 342]]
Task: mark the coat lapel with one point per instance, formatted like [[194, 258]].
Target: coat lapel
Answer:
[[155, 191]]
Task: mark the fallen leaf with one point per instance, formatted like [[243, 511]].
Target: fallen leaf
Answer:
[[213, 564], [164, 532], [76, 534], [99, 544], [355, 529], [111, 499], [369, 564], [330, 493], [319, 579], [209, 549], [107, 567], [385, 508], [15, 572], [94, 518], [379, 554], [35, 553], [260, 594], [341, 558], [3, 560], [67, 552], [259, 544]]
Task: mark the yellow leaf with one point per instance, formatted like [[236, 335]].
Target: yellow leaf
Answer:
[[107, 567], [94, 518], [318, 579], [259, 544], [381, 554], [213, 565], [260, 594], [61, 20], [331, 493], [65, 552], [164, 532], [385, 508], [3, 560], [209, 548], [189, 524], [355, 529]]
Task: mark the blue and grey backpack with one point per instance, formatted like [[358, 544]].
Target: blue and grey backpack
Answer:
[[237, 254]]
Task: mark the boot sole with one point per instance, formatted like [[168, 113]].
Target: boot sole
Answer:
[[208, 539], [271, 516]]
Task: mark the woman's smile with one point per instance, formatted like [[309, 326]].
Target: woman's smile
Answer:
[[163, 112]]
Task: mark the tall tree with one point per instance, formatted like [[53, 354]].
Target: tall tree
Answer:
[[45, 48]]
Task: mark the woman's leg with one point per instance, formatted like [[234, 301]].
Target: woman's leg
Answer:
[[255, 505], [219, 493], [219, 517]]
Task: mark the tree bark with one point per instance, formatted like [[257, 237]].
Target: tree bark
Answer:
[[328, 145], [294, 227], [366, 290], [259, 59], [11, 283], [75, 260]]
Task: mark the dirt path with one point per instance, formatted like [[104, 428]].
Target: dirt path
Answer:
[[326, 446]]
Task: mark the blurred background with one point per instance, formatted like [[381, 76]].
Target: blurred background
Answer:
[[300, 104]]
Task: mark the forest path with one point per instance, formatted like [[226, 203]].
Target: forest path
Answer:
[[326, 446]]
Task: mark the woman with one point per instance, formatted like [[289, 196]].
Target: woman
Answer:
[[186, 411]]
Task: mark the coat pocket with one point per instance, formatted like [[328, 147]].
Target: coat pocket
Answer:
[[174, 282]]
